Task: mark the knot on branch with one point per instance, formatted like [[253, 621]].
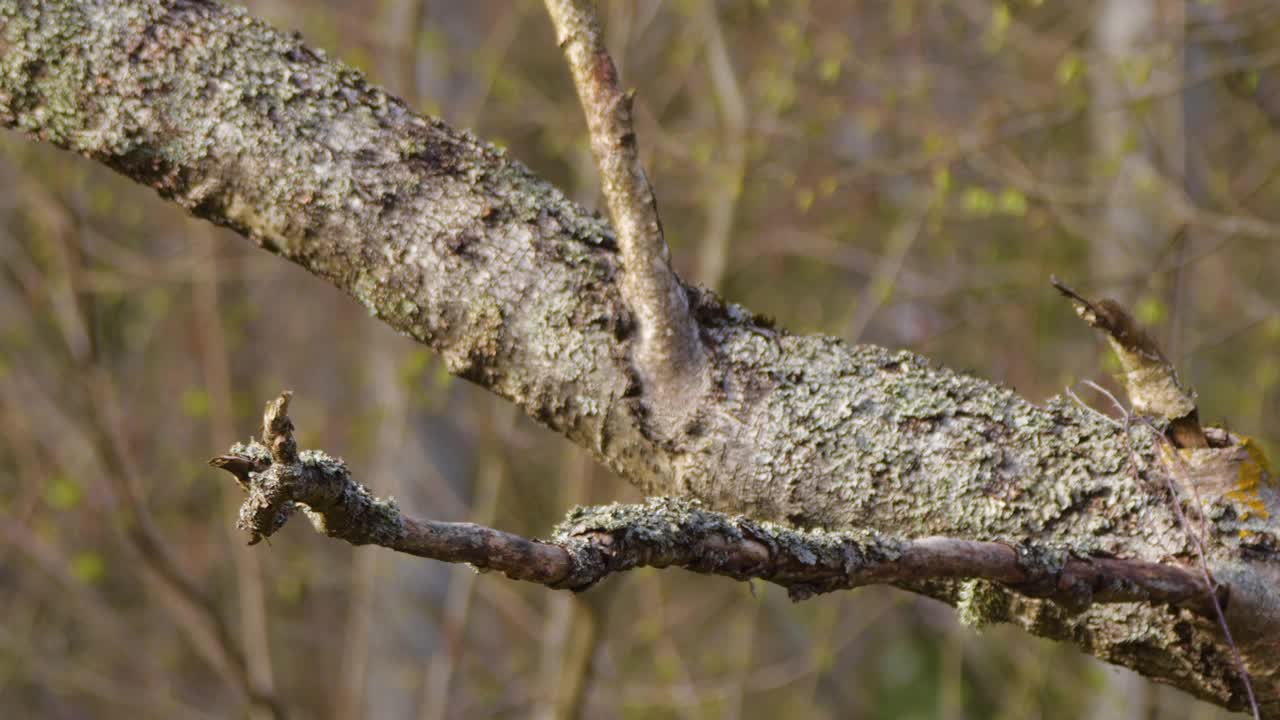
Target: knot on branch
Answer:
[[278, 480]]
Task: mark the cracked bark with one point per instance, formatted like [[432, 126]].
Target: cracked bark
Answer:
[[454, 243]]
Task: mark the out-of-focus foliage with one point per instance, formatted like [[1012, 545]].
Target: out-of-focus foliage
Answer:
[[907, 173]]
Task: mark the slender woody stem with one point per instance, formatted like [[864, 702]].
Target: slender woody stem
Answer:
[[670, 356]]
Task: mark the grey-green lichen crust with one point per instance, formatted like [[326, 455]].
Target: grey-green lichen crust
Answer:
[[459, 246], [669, 531], [352, 512], [322, 487], [980, 603]]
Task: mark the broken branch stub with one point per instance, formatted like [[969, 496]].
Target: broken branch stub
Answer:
[[1149, 378]]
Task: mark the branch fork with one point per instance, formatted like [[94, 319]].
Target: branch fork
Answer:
[[669, 357]]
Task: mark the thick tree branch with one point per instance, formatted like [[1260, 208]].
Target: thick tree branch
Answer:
[[669, 356], [663, 532], [452, 242]]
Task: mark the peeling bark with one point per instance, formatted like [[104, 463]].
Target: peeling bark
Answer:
[[457, 245]]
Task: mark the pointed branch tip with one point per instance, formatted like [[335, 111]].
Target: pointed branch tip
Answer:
[[1149, 377]]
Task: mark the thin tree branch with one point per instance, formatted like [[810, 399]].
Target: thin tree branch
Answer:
[[594, 542], [670, 356]]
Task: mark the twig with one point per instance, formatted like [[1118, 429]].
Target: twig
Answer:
[[1089, 409], [669, 357], [878, 287], [459, 600], [573, 626], [595, 542], [194, 603], [194, 608]]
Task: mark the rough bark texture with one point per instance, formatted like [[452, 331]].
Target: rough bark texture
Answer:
[[452, 242]]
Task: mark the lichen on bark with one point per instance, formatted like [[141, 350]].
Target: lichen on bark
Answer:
[[461, 247]]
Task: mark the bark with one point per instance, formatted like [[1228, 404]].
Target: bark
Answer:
[[452, 242]]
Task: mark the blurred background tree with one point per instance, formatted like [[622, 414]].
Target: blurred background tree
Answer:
[[904, 172]]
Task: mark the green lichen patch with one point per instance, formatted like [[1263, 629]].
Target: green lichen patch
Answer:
[[980, 603]]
